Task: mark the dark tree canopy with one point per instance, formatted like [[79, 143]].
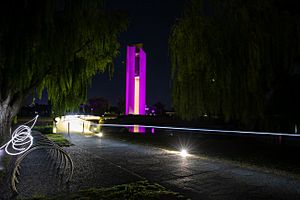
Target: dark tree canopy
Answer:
[[228, 57], [57, 45]]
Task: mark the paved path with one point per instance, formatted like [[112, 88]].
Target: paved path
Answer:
[[195, 177], [102, 162]]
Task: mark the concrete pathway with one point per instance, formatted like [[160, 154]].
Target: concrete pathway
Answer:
[[195, 177], [103, 162]]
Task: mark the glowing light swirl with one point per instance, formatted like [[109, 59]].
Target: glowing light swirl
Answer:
[[21, 139]]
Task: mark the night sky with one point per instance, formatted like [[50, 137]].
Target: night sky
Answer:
[[150, 24]]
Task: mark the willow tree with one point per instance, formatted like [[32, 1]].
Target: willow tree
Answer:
[[57, 45], [228, 56]]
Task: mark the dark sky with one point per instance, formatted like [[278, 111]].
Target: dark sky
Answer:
[[150, 24]]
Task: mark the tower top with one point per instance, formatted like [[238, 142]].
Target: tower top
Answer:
[[138, 45]]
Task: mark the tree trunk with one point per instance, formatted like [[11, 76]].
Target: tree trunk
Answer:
[[5, 126], [8, 110]]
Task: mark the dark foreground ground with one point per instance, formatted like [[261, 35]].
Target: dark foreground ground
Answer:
[[119, 157]]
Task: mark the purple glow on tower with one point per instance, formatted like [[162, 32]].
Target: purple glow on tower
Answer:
[[137, 129], [142, 103], [135, 80]]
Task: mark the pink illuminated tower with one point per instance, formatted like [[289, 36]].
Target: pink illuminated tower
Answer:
[[135, 80]]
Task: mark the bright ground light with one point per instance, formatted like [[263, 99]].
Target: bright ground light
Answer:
[[184, 153], [99, 134]]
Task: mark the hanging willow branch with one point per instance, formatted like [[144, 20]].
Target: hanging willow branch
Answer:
[[226, 57], [58, 45]]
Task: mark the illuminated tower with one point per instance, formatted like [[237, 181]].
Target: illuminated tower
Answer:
[[135, 80]]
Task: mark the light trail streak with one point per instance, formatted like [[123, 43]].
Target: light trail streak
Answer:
[[203, 130], [21, 137]]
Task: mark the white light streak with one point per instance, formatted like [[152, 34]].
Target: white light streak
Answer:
[[21, 139], [204, 130]]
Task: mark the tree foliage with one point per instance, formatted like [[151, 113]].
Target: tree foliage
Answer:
[[228, 57], [57, 45], [54, 44]]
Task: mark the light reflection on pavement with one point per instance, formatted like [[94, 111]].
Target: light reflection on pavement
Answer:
[[193, 176]]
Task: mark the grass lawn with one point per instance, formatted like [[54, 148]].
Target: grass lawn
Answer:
[[48, 129], [59, 139], [141, 190]]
